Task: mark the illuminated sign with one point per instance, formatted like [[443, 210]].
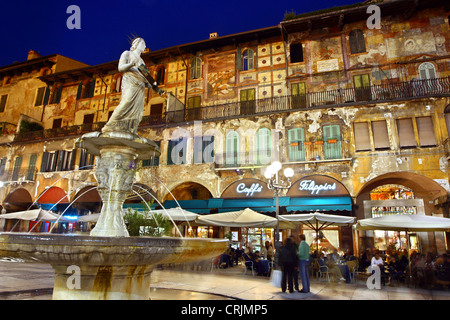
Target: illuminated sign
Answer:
[[310, 185], [249, 191]]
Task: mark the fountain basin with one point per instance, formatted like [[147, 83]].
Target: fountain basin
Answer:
[[108, 268]]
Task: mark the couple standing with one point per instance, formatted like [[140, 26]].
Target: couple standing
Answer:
[[290, 258]]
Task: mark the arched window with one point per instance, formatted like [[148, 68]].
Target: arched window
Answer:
[[231, 148], [263, 146], [427, 71], [248, 60], [196, 68], [357, 42]]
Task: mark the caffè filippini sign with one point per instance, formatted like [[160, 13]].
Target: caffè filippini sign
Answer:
[[248, 188], [316, 186]]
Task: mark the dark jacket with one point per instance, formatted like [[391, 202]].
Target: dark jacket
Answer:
[[288, 255]]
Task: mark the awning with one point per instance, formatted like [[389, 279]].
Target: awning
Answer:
[[405, 222], [36, 214], [314, 219], [309, 204]]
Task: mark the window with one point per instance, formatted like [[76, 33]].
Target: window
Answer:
[[3, 102], [57, 123], [263, 146], [31, 167], [86, 160], [332, 142], [248, 60], [39, 96], [362, 137], [89, 88], [380, 135], [427, 71], [156, 112], [447, 119], [196, 68], [426, 132], [296, 148], [176, 151], [296, 52], [357, 42], [204, 149], [2, 167], [56, 97], [231, 148], [153, 161], [61, 160], [193, 108], [248, 104], [406, 133], [362, 87], [298, 95], [160, 76], [16, 170]]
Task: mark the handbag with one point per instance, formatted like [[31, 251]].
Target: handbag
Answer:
[[275, 278]]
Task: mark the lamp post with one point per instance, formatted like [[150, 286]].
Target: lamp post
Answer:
[[276, 183]]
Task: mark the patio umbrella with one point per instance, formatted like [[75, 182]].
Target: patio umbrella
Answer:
[[407, 223], [241, 218], [175, 214], [317, 221], [36, 214]]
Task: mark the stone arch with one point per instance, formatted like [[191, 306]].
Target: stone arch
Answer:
[[188, 190], [423, 187], [17, 200]]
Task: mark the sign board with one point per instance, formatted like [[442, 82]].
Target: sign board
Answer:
[[316, 186], [248, 188]]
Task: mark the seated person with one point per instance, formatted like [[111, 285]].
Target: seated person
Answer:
[[333, 269]]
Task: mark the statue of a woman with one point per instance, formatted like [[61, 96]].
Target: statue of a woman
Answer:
[[128, 114]]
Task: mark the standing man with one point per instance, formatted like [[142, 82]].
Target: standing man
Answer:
[[303, 255]]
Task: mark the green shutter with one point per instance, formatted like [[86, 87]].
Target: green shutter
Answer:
[[296, 150]]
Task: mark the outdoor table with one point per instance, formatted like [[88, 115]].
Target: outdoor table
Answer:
[[345, 270]]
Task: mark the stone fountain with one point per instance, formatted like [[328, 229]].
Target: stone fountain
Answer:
[[109, 263]]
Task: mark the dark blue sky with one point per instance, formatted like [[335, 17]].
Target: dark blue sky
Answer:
[[106, 25]]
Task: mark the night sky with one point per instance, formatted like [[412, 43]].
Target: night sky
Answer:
[[106, 25]]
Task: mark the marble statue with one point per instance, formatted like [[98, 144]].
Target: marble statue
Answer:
[[128, 114]]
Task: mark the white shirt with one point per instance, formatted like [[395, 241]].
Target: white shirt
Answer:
[[376, 262]]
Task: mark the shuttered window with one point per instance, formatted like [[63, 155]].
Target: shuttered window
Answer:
[[263, 146], [357, 42], [196, 68], [31, 167], [426, 132], [39, 96], [362, 137], [16, 170], [176, 152], [380, 135], [296, 148], [3, 102], [231, 148], [332, 148], [406, 133], [248, 60]]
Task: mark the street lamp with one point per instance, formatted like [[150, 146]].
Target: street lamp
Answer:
[[276, 184]]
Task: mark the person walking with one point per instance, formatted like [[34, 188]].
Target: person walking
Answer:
[[288, 261], [303, 256]]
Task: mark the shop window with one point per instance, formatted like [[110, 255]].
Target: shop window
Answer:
[[231, 148], [406, 133], [3, 102], [204, 149], [296, 52], [248, 60], [296, 147], [332, 146], [380, 135], [176, 151], [153, 161], [357, 41], [196, 68], [425, 130], [263, 146]]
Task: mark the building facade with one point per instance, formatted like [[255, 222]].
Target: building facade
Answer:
[[361, 115]]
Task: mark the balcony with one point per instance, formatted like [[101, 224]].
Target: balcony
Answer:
[[395, 91]]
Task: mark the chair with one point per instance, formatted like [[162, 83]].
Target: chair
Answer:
[[215, 263], [323, 271], [248, 264]]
